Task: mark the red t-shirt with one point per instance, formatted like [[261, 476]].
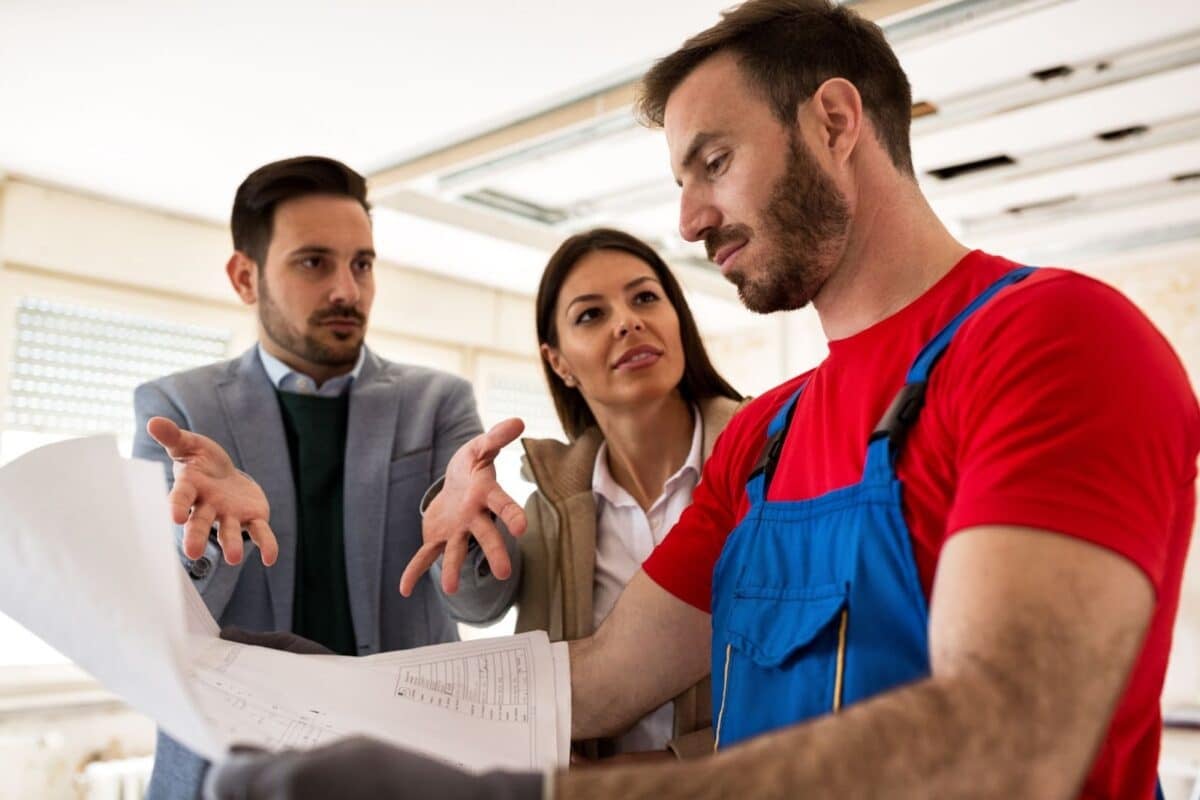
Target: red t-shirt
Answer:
[[1057, 406]]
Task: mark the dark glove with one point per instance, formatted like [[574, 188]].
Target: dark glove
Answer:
[[358, 768], [276, 640]]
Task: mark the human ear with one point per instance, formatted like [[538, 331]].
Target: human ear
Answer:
[[557, 363], [838, 111], [243, 277]]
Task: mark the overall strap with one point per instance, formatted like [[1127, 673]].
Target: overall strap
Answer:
[[764, 470], [889, 435]]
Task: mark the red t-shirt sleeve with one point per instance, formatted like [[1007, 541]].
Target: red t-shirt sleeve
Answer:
[[683, 563], [1069, 412]]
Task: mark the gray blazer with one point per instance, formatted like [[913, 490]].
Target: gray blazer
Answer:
[[405, 422]]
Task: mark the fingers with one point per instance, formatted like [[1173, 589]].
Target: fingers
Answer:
[[262, 535], [507, 509], [195, 532], [452, 560], [229, 534], [181, 499], [491, 541], [418, 566]]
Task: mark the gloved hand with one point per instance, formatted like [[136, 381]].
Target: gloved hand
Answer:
[[358, 768], [276, 640]]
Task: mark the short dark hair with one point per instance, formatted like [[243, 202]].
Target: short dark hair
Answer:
[[264, 189], [700, 378], [787, 49]]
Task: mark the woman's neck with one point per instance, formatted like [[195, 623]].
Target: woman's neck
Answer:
[[647, 445]]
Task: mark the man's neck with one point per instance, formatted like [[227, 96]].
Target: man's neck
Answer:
[[896, 251], [318, 372]]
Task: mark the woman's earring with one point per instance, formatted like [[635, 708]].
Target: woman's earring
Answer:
[[569, 380]]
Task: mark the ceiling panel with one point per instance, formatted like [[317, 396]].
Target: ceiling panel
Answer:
[[1140, 102], [1058, 33], [1158, 164], [600, 168]]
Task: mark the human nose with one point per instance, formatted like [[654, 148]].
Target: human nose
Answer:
[[345, 290], [630, 321], [697, 215]]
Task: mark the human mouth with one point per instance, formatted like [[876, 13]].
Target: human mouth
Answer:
[[342, 324], [638, 357], [726, 255]]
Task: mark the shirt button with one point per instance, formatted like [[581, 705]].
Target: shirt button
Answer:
[[199, 568]]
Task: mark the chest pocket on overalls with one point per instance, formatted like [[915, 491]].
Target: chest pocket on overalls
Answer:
[[788, 645]]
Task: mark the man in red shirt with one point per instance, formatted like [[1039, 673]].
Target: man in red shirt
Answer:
[[1024, 509]]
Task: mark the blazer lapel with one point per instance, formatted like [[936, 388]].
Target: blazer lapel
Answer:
[[374, 411], [252, 412]]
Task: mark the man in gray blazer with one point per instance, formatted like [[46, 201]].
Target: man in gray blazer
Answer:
[[342, 442]]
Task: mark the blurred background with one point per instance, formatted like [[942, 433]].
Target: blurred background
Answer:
[[1057, 132]]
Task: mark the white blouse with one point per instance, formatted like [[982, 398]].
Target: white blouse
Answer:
[[625, 535]]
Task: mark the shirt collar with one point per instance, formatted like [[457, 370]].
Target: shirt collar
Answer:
[[606, 488], [286, 379]]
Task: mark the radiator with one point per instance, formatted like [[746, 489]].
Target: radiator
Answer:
[[119, 779]]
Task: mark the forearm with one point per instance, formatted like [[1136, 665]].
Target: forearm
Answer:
[[649, 649], [937, 738], [601, 703]]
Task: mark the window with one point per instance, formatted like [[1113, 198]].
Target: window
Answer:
[[73, 372]]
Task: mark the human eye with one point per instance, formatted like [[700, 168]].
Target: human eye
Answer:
[[716, 164], [309, 262], [646, 296], [364, 265], [587, 315]]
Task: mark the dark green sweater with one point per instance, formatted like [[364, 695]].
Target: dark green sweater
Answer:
[[316, 437]]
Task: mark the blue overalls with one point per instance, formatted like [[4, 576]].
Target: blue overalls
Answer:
[[817, 604]]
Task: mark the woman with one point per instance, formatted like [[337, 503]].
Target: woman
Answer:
[[641, 405]]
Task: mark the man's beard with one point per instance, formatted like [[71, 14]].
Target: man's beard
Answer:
[[805, 223], [343, 353]]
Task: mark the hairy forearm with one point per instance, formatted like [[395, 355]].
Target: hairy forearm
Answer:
[[602, 704], [936, 738], [651, 648]]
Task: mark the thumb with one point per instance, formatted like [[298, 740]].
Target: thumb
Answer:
[[173, 438], [499, 436]]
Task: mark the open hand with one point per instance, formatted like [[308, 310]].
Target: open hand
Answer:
[[209, 488], [469, 496]]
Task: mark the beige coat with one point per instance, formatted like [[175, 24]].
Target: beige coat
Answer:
[[559, 555]]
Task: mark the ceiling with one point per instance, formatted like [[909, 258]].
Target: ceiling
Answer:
[[1060, 128]]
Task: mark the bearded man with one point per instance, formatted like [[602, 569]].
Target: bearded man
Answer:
[[343, 442]]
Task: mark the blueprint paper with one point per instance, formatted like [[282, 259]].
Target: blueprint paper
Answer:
[[88, 563]]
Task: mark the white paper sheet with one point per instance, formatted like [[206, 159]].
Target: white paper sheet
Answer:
[[87, 562]]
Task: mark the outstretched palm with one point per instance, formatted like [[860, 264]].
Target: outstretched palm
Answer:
[[464, 507], [209, 488]]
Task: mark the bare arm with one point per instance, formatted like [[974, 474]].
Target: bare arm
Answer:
[[649, 649], [1032, 638]]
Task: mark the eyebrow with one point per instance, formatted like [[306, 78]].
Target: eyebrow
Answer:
[[320, 250], [698, 143], [635, 282]]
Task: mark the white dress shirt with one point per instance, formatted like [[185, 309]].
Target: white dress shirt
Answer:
[[625, 535], [286, 379]]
